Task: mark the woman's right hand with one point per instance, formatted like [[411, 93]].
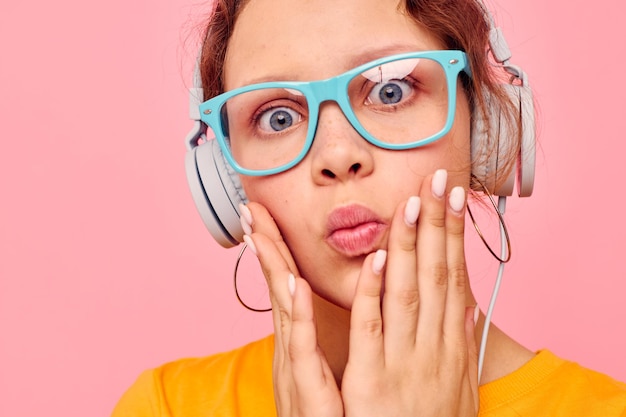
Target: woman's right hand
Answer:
[[303, 382]]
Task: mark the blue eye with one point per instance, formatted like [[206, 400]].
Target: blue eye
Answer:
[[279, 119], [391, 92]]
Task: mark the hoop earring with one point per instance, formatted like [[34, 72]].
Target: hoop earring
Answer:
[[502, 225], [256, 310]]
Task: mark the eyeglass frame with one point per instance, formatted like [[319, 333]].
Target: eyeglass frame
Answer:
[[336, 89]]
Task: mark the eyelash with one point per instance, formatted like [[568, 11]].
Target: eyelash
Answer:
[[272, 104], [410, 81]]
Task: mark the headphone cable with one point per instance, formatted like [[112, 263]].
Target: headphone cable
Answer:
[[495, 291]]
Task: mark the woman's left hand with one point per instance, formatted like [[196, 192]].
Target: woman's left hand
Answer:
[[414, 353]]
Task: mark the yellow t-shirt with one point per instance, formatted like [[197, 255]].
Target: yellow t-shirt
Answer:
[[239, 383]]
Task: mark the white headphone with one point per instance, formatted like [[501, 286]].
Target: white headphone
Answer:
[[217, 191]]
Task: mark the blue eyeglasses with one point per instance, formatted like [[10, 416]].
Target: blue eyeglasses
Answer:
[[398, 102]]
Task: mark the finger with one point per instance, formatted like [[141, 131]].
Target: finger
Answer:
[[431, 258], [472, 352], [401, 296], [457, 269], [275, 267], [276, 262], [366, 323], [310, 370], [276, 272], [262, 222]]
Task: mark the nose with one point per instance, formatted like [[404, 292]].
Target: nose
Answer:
[[339, 153]]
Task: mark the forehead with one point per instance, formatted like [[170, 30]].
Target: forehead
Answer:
[[315, 39]]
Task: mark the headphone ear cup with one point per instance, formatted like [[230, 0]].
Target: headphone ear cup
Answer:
[[528, 151], [489, 160], [217, 192]]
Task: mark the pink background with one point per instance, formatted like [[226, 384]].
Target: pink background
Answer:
[[107, 270]]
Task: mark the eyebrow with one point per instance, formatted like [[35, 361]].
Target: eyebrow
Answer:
[[358, 58], [370, 54]]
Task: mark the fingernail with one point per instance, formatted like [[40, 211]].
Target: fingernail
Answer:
[[412, 210], [245, 218], [250, 244], [247, 229], [476, 313], [457, 199], [438, 185], [471, 314], [291, 284], [379, 261]]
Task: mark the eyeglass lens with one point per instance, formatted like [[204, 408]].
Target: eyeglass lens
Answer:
[[402, 101]]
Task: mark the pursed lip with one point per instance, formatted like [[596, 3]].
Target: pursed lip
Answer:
[[354, 230]]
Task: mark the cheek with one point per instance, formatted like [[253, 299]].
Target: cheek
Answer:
[[261, 189], [279, 196], [287, 206], [461, 130], [451, 152], [458, 143]]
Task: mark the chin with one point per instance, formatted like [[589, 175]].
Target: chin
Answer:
[[340, 293]]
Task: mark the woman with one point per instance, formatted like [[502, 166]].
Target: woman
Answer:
[[359, 232]]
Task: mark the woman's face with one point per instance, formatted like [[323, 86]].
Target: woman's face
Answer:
[[335, 206]]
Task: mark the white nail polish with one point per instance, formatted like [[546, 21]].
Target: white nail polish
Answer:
[[291, 284], [250, 244], [247, 229], [379, 261], [245, 213], [412, 210], [438, 185], [457, 199]]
